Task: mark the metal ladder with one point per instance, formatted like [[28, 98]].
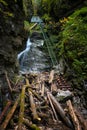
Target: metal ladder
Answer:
[[36, 19], [49, 46]]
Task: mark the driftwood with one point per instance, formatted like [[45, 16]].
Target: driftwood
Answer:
[[60, 110], [82, 121], [36, 95], [41, 105], [51, 76], [27, 82], [73, 116], [30, 125], [22, 103], [54, 88], [9, 85], [5, 110], [33, 107], [53, 118], [55, 114], [9, 115]]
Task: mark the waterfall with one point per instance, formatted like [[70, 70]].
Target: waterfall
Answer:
[[26, 49], [33, 59]]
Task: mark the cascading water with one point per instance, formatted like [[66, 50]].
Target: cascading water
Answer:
[[23, 53], [33, 59]]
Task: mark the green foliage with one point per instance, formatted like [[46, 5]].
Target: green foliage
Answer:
[[55, 4], [46, 18], [3, 2], [27, 7], [73, 43], [5, 12], [26, 25], [58, 8], [25, 3]]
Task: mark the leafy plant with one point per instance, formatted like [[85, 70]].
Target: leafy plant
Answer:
[[73, 43], [46, 17], [26, 25]]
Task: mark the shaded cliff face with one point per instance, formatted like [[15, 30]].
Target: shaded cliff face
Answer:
[[12, 35]]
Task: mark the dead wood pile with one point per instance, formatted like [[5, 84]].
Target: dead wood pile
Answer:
[[34, 105]]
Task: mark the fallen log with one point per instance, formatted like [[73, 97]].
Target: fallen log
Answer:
[[30, 125], [5, 110], [9, 115], [82, 121], [21, 113], [54, 88], [60, 110], [9, 85], [33, 107], [42, 107], [55, 114], [27, 82], [73, 116], [51, 76]]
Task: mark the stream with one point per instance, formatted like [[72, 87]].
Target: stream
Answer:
[[33, 59]]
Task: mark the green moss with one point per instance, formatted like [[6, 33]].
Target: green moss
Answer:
[[34, 127], [73, 43]]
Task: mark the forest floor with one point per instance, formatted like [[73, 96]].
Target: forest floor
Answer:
[[44, 101]]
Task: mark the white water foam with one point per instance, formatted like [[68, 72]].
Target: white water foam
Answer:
[[26, 49]]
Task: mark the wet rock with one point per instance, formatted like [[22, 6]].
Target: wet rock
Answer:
[[63, 95], [32, 59], [11, 33], [12, 38], [35, 36]]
